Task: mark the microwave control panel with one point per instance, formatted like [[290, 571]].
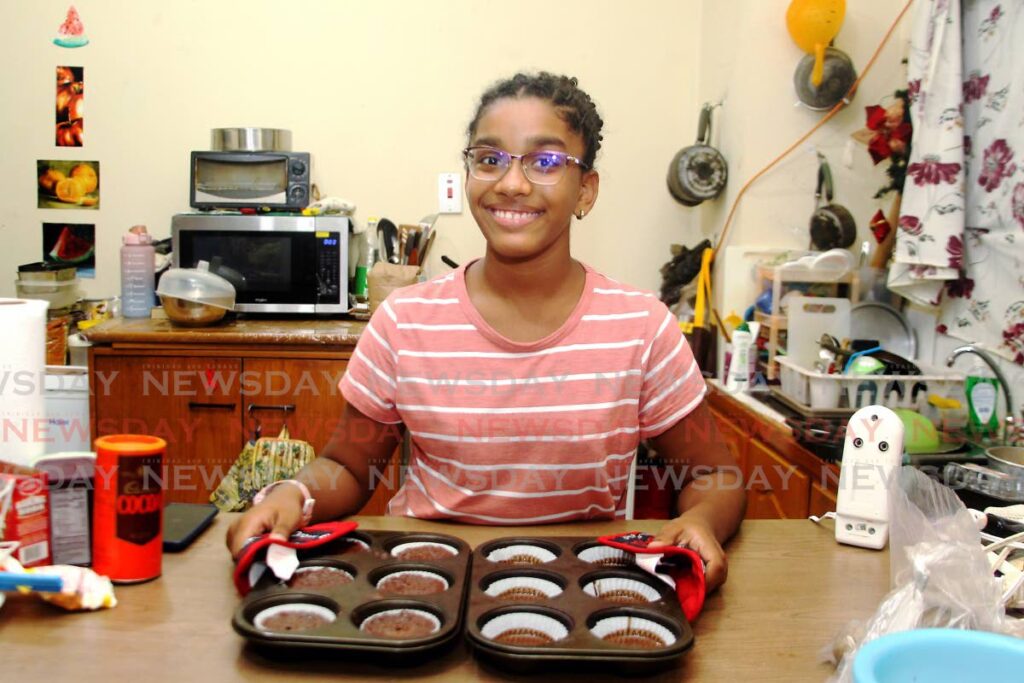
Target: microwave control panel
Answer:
[[329, 268]]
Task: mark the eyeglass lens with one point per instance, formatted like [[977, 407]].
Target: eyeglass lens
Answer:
[[542, 167]]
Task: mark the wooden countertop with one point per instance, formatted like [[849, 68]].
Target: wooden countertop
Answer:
[[301, 332], [790, 589]]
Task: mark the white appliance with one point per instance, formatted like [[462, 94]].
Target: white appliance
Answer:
[[66, 403]]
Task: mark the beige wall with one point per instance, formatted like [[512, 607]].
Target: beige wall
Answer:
[[379, 91]]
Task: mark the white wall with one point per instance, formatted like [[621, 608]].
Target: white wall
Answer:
[[380, 92]]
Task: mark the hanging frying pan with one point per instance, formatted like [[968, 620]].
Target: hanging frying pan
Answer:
[[698, 172], [837, 77], [832, 225]]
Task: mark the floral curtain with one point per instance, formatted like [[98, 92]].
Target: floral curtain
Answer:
[[960, 238]]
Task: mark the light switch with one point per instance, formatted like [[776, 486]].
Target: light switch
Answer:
[[449, 193]]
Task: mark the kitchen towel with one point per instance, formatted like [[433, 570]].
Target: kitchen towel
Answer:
[[22, 377]]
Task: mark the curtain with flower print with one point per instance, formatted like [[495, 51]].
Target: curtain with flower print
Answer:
[[960, 238]]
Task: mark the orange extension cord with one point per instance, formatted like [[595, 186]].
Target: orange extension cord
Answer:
[[824, 119]]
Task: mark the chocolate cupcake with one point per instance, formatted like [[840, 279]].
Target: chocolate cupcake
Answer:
[[621, 591], [635, 633], [422, 551], [412, 583], [523, 589], [606, 556], [293, 617], [521, 554], [319, 577], [401, 623], [524, 629]]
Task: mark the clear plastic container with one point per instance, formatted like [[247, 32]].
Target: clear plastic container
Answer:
[[137, 266], [195, 296], [59, 294]]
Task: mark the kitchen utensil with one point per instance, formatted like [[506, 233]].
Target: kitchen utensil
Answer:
[[698, 172], [838, 76], [390, 239], [832, 225], [1009, 459], [250, 140], [808, 319], [195, 296], [875, 320]]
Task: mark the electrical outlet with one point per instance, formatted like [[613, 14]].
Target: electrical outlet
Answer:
[[449, 193]]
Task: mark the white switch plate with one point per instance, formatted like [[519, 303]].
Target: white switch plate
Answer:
[[449, 193]]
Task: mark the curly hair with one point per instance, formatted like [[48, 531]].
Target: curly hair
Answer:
[[573, 104]]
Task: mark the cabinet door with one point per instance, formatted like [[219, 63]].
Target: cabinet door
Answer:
[[776, 489], [308, 388], [821, 501], [191, 403], [735, 439]]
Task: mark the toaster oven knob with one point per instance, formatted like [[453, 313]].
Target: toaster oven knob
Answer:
[[297, 193], [298, 168]]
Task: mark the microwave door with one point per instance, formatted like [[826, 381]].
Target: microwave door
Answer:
[[272, 272]]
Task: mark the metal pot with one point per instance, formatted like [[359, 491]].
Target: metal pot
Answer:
[[832, 225], [250, 140], [1009, 459], [838, 75], [698, 172]]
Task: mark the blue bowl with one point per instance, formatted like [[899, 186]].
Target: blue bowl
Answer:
[[939, 655]]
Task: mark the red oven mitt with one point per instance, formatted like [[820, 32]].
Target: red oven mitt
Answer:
[[255, 549], [683, 566]]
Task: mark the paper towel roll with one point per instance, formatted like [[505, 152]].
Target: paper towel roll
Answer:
[[22, 376]]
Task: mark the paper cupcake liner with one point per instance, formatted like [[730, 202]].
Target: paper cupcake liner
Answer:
[[418, 612], [625, 591], [402, 547], [355, 545], [521, 554], [611, 625], [523, 588], [606, 556], [322, 568], [319, 610], [528, 623], [414, 572]]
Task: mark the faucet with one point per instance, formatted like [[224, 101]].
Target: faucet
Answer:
[[1008, 426]]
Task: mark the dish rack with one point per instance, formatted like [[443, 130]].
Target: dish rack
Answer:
[[819, 394]]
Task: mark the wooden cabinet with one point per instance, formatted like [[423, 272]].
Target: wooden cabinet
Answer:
[[207, 395], [783, 479]]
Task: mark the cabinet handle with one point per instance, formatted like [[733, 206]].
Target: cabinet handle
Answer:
[[194, 405], [287, 408]]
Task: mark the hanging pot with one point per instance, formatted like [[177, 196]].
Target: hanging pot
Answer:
[[837, 78], [832, 225], [698, 172]]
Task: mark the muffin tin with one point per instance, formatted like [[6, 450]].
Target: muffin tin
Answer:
[[330, 612], [535, 604]]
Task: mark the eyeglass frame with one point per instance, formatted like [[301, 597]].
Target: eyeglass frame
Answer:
[[512, 157]]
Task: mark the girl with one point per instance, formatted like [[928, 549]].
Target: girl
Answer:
[[525, 379]]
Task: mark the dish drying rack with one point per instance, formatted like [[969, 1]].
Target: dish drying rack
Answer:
[[1006, 557], [818, 394]]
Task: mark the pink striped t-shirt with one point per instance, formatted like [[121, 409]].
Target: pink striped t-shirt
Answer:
[[505, 432]]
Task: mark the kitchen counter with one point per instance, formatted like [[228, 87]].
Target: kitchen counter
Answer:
[[315, 332], [790, 589]]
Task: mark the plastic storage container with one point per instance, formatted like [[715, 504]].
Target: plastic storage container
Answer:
[[58, 293], [137, 266], [195, 296]]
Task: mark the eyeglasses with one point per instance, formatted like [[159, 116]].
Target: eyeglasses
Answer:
[[540, 168]]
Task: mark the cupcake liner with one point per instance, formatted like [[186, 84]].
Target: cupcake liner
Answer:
[[523, 588], [521, 554], [402, 547], [355, 545], [319, 610], [322, 568], [610, 625], [419, 612], [606, 556], [527, 623], [625, 591], [414, 572]]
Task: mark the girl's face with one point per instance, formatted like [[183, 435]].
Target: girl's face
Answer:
[[521, 220]]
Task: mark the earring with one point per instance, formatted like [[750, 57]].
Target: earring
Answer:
[[580, 214]]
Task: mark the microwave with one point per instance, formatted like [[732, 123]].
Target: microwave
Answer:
[[278, 181], [277, 264]]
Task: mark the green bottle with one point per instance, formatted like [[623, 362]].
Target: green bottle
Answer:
[[982, 391]]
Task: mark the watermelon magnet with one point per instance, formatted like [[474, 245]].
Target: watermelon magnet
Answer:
[[71, 33]]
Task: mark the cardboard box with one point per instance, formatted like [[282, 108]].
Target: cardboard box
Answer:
[[25, 513], [70, 478]]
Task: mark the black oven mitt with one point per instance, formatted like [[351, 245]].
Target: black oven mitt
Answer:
[[680, 567], [253, 560]]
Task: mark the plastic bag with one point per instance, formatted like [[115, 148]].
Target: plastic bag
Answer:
[[940, 575]]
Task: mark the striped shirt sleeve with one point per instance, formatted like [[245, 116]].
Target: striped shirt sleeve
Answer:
[[369, 381], [672, 383]]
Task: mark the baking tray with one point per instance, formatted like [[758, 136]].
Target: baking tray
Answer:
[[576, 610], [367, 557]]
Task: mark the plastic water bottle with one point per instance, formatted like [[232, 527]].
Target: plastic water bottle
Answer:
[[137, 257]]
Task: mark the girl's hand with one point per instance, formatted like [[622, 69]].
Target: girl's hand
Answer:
[[280, 514], [698, 536]]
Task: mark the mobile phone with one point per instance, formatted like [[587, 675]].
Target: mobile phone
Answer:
[[183, 522]]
